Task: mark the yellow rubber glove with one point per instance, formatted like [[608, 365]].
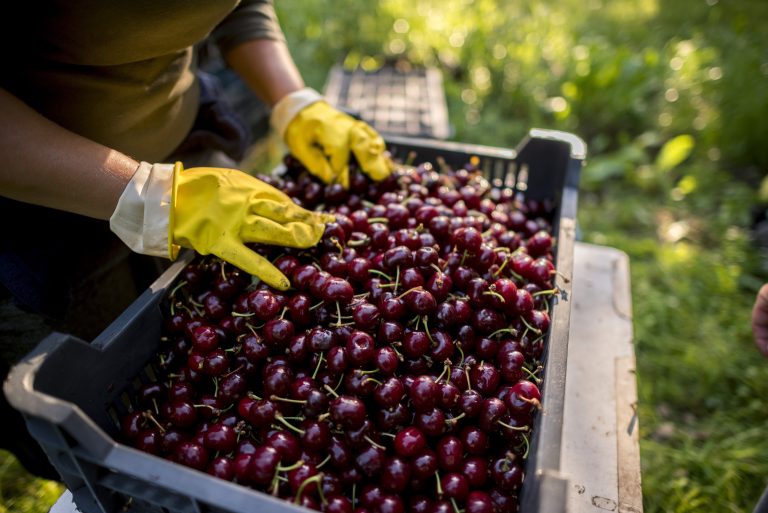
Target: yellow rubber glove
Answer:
[[323, 138], [216, 211]]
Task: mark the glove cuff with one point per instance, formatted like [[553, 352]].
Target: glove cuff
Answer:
[[286, 109], [142, 216]]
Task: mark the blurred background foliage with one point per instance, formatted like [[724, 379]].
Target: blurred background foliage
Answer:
[[671, 97]]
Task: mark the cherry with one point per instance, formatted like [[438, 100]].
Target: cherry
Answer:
[[204, 339], [523, 398], [420, 301], [485, 378], [424, 465], [286, 444], [385, 359], [336, 290], [339, 504], [423, 393], [370, 460], [455, 485], [468, 239], [479, 502], [191, 454], [263, 464], [450, 452], [220, 438], [409, 442], [431, 422], [396, 474], [389, 393], [348, 411], [263, 304], [316, 436]]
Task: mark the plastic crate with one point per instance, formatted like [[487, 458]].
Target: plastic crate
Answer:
[[72, 393], [395, 99]]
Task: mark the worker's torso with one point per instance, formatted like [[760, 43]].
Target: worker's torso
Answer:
[[118, 72]]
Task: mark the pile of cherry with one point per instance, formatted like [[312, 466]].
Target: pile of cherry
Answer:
[[400, 372]]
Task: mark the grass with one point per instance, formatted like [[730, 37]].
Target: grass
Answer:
[[670, 98], [21, 492]]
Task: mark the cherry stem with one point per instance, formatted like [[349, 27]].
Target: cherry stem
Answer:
[[527, 446], [315, 306], [397, 279], [461, 352], [456, 418], [535, 402], [511, 331], [439, 485], [502, 266], [372, 379], [378, 446], [466, 373], [513, 428], [153, 420], [535, 330], [463, 257], [455, 506], [176, 288], [317, 478], [409, 290], [495, 294], [335, 242], [436, 268], [426, 328], [532, 375], [296, 465], [326, 460], [446, 368], [380, 273], [564, 277], [287, 424], [358, 243], [286, 400], [388, 434], [332, 391], [238, 314], [372, 220], [547, 292]]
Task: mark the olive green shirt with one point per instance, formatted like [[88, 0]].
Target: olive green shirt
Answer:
[[121, 72]]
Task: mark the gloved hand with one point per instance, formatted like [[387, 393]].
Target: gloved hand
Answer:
[[214, 211], [322, 138]]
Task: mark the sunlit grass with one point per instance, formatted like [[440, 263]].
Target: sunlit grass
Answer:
[[22, 493]]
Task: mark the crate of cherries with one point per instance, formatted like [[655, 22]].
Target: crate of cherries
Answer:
[[400, 373]]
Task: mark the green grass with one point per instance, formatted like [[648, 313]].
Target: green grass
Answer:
[[670, 98], [21, 492]]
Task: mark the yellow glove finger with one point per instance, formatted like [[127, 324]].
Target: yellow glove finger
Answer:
[[368, 147], [252, 263], [337, 151], [295, 234]]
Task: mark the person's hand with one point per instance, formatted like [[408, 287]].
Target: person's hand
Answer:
[[760, 320], [323, 138], [213, 211]]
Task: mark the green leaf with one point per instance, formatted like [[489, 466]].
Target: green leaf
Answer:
[[674, 152]]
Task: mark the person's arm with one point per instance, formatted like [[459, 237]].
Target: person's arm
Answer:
[[47, 165], [267, 67], [760, 320]]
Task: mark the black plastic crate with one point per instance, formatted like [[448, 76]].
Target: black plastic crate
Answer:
[[396, 99], [72, 393]]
